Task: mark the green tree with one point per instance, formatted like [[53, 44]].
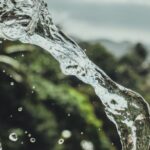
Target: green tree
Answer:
[[48, 106]]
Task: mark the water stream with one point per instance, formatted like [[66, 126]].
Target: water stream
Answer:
[[30, 22]]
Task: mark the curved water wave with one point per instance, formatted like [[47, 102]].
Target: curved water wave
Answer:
[[29, 22]]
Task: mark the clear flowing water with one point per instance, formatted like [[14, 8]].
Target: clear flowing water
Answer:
[[29, 22]]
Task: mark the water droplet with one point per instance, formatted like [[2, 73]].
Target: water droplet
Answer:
[[32, 140], [11, 116], [87, 145], [66, 134], [22, 55], [29, 135], [22, 143], [68, 115], [12, 83], [1, 146], [33, 87], [4, 71], [13, 137], [61, 141], [20, 109], [26, 132], [32, 92], [81, 133]]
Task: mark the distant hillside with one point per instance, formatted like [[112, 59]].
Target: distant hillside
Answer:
[[116, 48], [119, 48]]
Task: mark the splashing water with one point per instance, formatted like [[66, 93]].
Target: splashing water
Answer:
[[32, 140], [86, 145], [1, 146], [20, 109], [29, 22], [13, 137], [61, 141]]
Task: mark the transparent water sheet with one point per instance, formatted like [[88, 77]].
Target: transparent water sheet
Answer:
[[30, 22]]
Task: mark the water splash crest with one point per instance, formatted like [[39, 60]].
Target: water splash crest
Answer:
[[30, 22]]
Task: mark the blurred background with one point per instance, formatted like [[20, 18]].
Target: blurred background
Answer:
[[40, 108], [116, 24]]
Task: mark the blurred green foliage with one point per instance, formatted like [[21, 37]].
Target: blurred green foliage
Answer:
[[52, 103]]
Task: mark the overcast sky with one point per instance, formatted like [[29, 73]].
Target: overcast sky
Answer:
[[117, 20]]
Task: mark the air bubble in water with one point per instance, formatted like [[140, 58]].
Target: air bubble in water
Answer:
[[66, 134], [87, 145], [29, 135], [61, 141], [13, 137], [68, 115], [20, 109], [32, 140], [12, 83]]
